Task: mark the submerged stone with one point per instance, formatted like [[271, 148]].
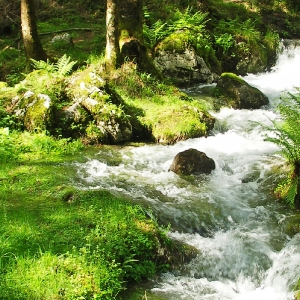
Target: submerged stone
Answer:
[[192, 161]]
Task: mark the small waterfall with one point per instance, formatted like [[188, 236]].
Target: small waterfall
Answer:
[[231, 215]]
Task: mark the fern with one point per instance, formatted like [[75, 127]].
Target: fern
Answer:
[[154, 34], [182, 21], [64, 66], [43, 65], [61, 68], [195, 22], [287, 137], [287, 190]]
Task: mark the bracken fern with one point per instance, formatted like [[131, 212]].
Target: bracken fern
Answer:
[[287, 137], [62, 67]]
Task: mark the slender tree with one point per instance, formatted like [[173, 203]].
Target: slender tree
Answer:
[[112, 52], [124, 35], [32, 43]]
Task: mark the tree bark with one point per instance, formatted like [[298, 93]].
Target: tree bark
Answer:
[[124, 35], [130, 21], [32, 43], [112, 51]]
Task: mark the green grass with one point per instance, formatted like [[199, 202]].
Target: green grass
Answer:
[[169, 114], [57, 242]]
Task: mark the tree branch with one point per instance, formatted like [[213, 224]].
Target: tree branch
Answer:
[[63, 30]]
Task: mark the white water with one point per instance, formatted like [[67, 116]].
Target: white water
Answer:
[[230, 215]]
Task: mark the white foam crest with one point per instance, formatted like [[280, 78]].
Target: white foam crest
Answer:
[[178, 287], [231, 249], [284, 76], [92, 170], [286, 266]]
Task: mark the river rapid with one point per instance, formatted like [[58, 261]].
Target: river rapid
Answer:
[[231, 216]]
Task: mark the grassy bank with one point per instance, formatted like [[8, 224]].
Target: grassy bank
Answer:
[[61, 243]]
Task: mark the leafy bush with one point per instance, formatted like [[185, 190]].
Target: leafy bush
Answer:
[[193, 22]]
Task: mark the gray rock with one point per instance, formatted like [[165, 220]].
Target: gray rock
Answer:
[[184, 67]]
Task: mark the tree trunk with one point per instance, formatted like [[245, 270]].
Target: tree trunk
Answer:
[[112, 51], [32, 43], [130, 21], [124, 35]]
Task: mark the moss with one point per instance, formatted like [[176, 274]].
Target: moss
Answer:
[[80, 82], [177, 123], [232, 76], [292, 224], [160, 111], [297, 295], [177, 41], [3, 85], [38, 115]]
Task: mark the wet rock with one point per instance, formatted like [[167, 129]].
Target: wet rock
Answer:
[[238, 93], [192, 161]]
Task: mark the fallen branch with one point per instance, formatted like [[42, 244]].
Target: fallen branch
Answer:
[[70, 29], [63, 30]]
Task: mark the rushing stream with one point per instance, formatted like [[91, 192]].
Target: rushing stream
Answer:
[[231, 215]]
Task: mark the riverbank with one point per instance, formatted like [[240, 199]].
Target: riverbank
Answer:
[[58, 242]]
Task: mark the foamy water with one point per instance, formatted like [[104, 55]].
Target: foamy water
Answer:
[[231, 215]]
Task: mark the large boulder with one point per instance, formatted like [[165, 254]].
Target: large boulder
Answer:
[[192, 161], [238, 93], [109, 122], [185, 69], [177, 59]]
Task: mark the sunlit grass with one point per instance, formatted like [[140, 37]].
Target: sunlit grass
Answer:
[[57, 242], [167, 112]]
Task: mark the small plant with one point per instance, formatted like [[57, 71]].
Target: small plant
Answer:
[[7, 150], [154, 34], [189, 20], [225, 41]]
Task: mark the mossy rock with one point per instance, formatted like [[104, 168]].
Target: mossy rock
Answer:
[[177, 41], [255, 61], [38, 113], [292, 224], [181, 123], [238, 93], [183, 63], [108, 122]]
